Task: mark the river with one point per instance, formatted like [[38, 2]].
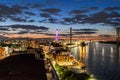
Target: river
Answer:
[[102, 60]]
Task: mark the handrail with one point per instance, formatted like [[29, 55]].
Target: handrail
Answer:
[[54, 71]]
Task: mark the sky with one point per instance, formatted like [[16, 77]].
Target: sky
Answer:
[[43, 17]]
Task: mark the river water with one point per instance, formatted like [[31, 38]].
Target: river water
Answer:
[[102, 60]]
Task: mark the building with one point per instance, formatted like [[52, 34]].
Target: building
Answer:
[[4, 52], [30, 43], [31, 50]]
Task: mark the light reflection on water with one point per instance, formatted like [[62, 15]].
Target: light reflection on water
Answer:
[[102, 60]]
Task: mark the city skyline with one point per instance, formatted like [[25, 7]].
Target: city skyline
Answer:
[[42, 18]]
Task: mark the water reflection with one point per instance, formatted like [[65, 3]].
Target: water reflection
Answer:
[[102, 60], [111, 49], [94, 50], [103, 51], [82, 53]]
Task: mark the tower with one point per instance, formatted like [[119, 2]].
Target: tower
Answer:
[[56, 37], [70, 35], [118, 36]]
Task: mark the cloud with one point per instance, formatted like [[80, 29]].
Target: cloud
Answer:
[[19, 13], [30, 13], [51, 2], [107, 18], [111, 18], [112, 8], [93, 8], [81, 33], [77, 12], [18, 19], [50, 34], [38, 32], [45, 15], [105, 35], [31, 27], [31, 20], [99, 17], [22, 29], [85, 30], [67, 21], [11, 10], [20, 7], [51, 10], [74, 19], [27, 17], [6, 10], [22, 32], [114, 15], [43, 21], [115, 24], [3, 29], [37, 5], [52, 20], [3, 37], [2, 19], [79, 18]]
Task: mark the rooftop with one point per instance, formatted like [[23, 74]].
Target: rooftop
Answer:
[[22, 67]]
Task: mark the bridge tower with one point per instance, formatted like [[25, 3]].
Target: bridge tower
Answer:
[[70, 35], [118, 36]]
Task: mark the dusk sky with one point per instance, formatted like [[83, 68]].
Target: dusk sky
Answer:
[[43, 17]]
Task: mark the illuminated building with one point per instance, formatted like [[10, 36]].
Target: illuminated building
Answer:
[[4, 52], [24, 43], [31, 50], [30, 43], [56, 37]]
